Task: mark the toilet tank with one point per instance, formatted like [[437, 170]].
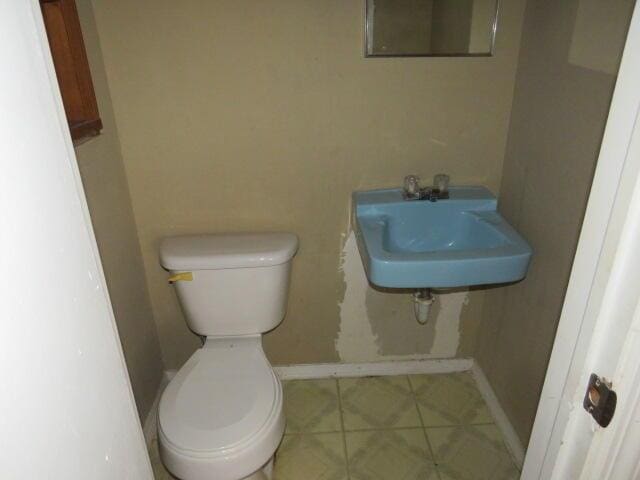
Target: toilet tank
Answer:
[[230, 284]]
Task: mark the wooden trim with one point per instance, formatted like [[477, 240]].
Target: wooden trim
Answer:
[[89, 128], [72, 67]]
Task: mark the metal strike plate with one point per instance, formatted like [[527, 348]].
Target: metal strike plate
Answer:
[[600, 400]]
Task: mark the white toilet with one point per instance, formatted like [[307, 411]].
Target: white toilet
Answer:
[[220, 417]]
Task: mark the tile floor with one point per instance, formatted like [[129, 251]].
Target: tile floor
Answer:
[[426, 427]]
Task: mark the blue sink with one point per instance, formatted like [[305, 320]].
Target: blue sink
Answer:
[[456, 242]]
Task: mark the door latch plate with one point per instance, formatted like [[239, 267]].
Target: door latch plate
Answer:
[[600, 400]]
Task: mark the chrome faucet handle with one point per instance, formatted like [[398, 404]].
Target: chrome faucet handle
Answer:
[[412, 186], [441, 182]]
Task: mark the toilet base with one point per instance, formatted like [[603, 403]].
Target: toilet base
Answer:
[[265, 473]]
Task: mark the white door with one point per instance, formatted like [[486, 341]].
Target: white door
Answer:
[[599, 326], [66, 406]]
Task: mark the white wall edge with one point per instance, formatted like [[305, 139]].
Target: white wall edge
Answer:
[[395, 367], [511, 439]]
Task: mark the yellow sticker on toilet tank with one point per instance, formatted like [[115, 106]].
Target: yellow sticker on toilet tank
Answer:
[[181, 277]]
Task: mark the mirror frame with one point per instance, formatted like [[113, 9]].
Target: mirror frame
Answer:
[[368, 31]]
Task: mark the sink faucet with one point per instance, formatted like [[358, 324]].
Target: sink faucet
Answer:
[[439, 190]]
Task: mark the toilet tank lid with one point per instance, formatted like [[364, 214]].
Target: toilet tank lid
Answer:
[[220, 251]]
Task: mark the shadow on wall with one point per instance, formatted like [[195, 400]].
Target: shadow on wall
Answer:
[[107, 193], [569, 56]]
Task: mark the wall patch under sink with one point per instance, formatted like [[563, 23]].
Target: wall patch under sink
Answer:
[[377, 325]]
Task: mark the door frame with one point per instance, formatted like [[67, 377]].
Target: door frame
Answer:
[[563, 433]]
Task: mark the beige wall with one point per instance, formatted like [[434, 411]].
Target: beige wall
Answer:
[[105, 185], [558, 117], [249, 115]]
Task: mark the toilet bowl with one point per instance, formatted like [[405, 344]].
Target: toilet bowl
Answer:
[[221, 416]]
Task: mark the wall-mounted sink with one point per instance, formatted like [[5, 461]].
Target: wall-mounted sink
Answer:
[[456, 242]]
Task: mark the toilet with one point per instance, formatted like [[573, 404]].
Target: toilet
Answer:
[[221, 417]]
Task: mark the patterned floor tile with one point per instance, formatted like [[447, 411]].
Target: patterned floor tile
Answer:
[[384, 435], [449, 399], [389, 455], [473, 452], [318, 456], [311, 406], [377, 402]]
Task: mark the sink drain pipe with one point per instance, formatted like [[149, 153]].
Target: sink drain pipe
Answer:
[[422, 301]]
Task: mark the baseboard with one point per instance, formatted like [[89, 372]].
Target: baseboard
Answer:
[[509, 434], [397, 367], [150, 427]]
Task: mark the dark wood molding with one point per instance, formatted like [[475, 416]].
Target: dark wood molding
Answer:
[[72, 67]]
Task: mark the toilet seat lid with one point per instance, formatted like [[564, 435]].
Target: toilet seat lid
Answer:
[[222, 397]]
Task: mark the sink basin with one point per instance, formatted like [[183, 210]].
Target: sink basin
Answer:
[[456, 242]]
